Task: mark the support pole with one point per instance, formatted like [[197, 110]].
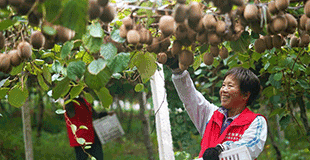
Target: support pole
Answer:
[[163, 128], [27, 131]]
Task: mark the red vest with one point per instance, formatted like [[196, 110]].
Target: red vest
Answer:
[[233, 132], [83, 116]]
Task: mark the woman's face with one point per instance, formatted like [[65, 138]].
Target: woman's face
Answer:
[[230, 94]]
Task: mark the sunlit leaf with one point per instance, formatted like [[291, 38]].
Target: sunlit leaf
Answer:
[[18, 96], [119, 62], [83, 127], [303, 84], [95, 30], [60, 111], [108, 51], [116, 37], [97, 66], [89, 98], [92, 44], [80, 140], [47, 74], [87, 147], [3, 81], [139, 87], [73, 128], [3, 92]]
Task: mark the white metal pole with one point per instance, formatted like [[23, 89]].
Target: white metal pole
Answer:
[[163, 128]]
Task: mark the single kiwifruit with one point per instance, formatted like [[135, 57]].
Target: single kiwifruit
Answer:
[[14, 57], [279, 23], [164, 43], [255, 26], [103, 3], [2, 41], [128, 22], [291, 23], [272, 7], [181, 31], [108, 13], [277, 41], [250, 12], [133, 37], [64, 34], [223, 52], [307, 9], [307, 25], [176, 48], [304, 40], [5, 63], [162, 57], [34, 18], [154, 47], [180, 13], [37, 39], [167, 25], [282, 4], [260, 45], [123, 31], [220, 27], [24, 50], [302, 21], [214, 50], [268, 41], [3, 3], [294, 42], [194, 12], [209, 21], [214, 39], [145, 36], [15, 3], [202, 37], [186, 57], [93, 9], [208, 58]]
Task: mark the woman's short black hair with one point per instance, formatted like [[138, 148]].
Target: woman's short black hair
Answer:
[[248, 82]]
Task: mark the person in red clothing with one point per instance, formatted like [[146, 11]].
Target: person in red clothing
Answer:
[[82, 114]]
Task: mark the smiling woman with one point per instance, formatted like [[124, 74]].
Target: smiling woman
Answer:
[[230, 126]]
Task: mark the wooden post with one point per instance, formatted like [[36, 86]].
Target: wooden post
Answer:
[[163, 128], [27, 131]]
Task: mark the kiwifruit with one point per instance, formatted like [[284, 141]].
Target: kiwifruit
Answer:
[[307, 25], [180, 13], [14, 57], [182, 67], [186, 57], [123, 31], [282, 4], [167, 25], [108, 13], [194, 12], [294, 42], [220, 27], [2, 41], [302, 21], [164, 43], [103, 3], [181, 31], [268, 41], [272, 7], [162, 57], [93, 9], [270, 29], [209, 21], [279, 23], [191, 35], [37, 39], [202, 37], [24, 50], [291, 23], [5, 63], [181, 1], [214, 39], [223, 52], [307, 9], [250, 12], [49, 43], [176, 48], [277, 41], [128, 22], [145, 36], [64, 34], [304, 40], [208, 58], [3, 3], [154, 47], [34, 18], [199, 27], [133, 37], [214, 50], [15, 3], [260, 45]]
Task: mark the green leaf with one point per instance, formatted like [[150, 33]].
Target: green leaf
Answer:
[[87, 147], [277, 111], [49, 30], [139, 87], [87, 58], [198, 61], [145, 63], [97, 81], [119, 63], [303, 84], [60, 111], [278, 76], [39, 62], [285, 121], [46, 74], [5, 24], [92, 44], [97, 66], [57, 67], [3, 81], [76, 90], [74, 15], [73, 128], [3, 92], [76, 70], [256, 56], [61, 88], [42, 83], [83, 127], [116, 37], [117, 75], [66, 49], [18, 96], [47, 54], [268, 92], [95, 30], [16, 70], [1, 115], [108, 51], [53, 7], [242, 44], [89, 98], [105, 97], [93, 158]]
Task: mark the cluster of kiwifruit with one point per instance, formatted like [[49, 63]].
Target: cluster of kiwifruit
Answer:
[[102, 9], [15, 56]]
